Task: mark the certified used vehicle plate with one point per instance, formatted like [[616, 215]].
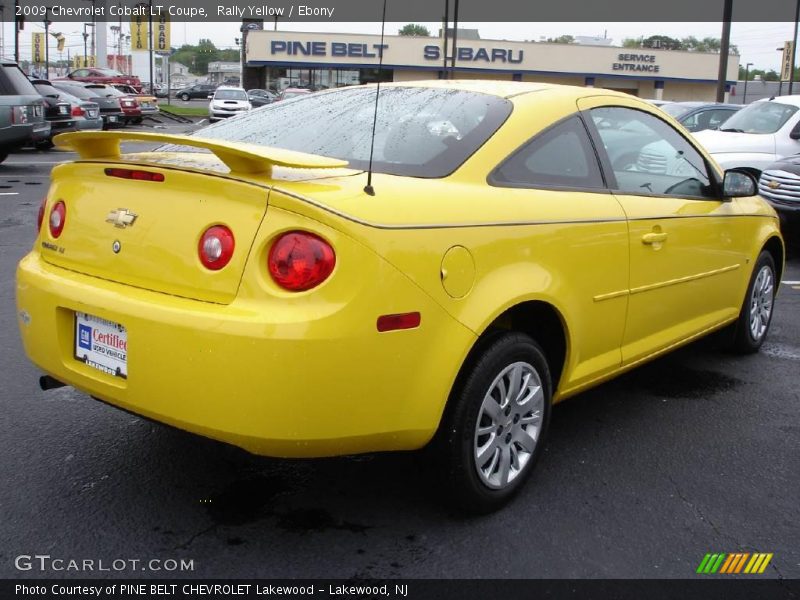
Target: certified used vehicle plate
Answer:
[[101, 344]]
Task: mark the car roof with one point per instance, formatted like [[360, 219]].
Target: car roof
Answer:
[[229, 87], [695, 104], [793, 100]]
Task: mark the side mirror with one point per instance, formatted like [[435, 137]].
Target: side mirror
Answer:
[[738, 184], [795, 132]]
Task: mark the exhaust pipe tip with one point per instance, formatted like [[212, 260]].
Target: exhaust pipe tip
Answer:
[[50, 383]]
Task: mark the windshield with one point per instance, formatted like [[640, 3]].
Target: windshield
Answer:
[[421, 132], [760, 117], [14, 82], [230, 95]]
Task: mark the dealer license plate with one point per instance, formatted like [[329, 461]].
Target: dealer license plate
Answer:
[[101, 344]]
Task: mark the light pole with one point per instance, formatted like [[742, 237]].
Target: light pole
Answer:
[[85, 49], [46, 44], [16, 31], [725, 41], [746, 74], [241, 61], [794, 45], [115, 29], [780, 75]]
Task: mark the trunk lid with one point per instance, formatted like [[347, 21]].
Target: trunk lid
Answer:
[[146, 233]]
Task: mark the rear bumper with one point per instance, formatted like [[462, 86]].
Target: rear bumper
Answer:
[[290, 379], [116, 119]]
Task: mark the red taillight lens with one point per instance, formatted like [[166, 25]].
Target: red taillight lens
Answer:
[[401, 321], [58, 216], [135, 174], [216, 247], [299, 261], [40, 216], [77, 111]]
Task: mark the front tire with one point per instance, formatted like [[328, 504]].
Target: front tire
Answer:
[[185, 97], [756, 314], [494, 430]]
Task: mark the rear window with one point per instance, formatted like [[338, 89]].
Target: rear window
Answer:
[[76, 90], [14, 83], [419, 132]]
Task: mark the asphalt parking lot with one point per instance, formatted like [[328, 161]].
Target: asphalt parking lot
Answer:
[[641, 477]]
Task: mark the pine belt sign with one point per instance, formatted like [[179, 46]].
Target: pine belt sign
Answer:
[[140, 33], [786, 61], [38, 48]]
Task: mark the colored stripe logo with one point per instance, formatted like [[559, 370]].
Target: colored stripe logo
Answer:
[[734, 563]]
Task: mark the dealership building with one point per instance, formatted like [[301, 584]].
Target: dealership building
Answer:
[[282, 58]]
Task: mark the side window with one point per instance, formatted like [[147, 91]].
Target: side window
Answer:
[[562, 156], [81, 73], [649, 157], [718, 117]]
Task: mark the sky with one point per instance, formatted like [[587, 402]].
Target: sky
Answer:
[[757, 42]]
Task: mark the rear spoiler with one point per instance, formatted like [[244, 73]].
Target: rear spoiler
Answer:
[[249, 159]]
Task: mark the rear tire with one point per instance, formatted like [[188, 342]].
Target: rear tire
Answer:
[[756, 314], [494, 428]]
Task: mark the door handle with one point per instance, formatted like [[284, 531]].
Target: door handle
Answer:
[[654, 238]]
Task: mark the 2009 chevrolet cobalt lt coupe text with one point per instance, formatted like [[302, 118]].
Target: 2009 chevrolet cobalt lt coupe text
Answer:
[[519, 243]]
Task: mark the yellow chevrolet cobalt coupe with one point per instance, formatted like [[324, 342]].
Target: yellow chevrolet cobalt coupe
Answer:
[[519, 243]]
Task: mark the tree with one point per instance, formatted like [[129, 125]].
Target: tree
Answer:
[[412, 29], [562, 39], [689, 43], [770, 75], [197, 57]]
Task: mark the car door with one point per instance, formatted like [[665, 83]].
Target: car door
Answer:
[[574, 230], [686, 253]]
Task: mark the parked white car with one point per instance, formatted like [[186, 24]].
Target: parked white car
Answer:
[[228, 101], [756, 136]]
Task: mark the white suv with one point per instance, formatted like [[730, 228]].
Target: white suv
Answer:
[[757, 135], [228, 102]]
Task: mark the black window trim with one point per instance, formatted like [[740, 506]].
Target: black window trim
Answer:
[[493, 181], [594, 133]]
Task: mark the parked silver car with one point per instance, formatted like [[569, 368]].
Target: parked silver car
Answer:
[[228, 102]]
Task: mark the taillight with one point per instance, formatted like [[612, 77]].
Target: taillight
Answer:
[[77, 111], [58, 216], [135, 174], [40, 217], [299, 261], [216, 247]]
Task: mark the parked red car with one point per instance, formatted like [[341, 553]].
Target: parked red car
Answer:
[[107, 76]]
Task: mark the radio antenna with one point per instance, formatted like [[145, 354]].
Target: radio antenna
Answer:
[[368, 188]]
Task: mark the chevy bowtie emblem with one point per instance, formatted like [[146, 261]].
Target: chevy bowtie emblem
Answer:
[[121, 218], [773, 185]]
